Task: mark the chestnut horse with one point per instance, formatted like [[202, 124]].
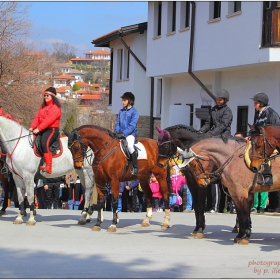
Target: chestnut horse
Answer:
[[111, 165], [205, 156], [188, 136], [265, 140]]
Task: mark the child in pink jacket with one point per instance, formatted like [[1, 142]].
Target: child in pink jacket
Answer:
[[177, 180], [157, 197]]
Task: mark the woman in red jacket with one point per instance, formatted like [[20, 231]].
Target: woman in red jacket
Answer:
[[46, 123]]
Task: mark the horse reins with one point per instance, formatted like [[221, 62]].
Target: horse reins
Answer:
[[265, 142]]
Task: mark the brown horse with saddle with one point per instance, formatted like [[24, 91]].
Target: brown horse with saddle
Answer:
[[111, 165]]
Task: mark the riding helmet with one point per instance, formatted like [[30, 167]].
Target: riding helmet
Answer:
[[223, 93], [128, 95], [261, 97]]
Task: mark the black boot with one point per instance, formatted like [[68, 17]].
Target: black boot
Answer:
[[268, 180], [134, 169]]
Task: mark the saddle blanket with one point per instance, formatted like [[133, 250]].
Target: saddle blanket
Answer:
[[142, 153]]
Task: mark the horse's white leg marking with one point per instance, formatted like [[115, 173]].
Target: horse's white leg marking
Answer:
[[31, 221], [166, 224], [149, 216]]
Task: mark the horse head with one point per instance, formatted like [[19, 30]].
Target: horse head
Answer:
[[264, 141], [167, 145], [198, 166], [77, 148]]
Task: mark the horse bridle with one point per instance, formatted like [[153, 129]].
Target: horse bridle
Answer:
[[82, 144], [264, 156], [170, 143]]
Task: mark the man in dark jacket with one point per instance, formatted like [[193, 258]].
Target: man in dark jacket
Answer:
[[218, 123], [264, 115], [51, 186], [220, 118]]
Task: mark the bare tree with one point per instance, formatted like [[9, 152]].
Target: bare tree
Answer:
[[63, 51], [22, 71]]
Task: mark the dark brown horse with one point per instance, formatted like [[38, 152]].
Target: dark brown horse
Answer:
[[110, 165]]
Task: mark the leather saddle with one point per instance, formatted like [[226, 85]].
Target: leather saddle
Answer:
[[56, 147]]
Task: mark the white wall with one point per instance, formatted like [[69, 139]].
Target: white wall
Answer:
[[137, 83], [230, 42]]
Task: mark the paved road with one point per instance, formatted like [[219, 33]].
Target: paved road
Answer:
[[56, 247]]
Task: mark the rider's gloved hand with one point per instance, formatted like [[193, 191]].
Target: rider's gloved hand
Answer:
[[120, 135]]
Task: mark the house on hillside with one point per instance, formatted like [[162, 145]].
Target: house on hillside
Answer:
[[94, 58], [189, 51], [63, 80]]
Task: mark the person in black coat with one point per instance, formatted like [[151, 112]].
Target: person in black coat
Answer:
[[51, 186]]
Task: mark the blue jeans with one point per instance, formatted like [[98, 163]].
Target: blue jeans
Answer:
[[188, 198]]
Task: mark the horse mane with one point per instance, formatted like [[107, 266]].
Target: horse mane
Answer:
[[182, 126], [111, 134]]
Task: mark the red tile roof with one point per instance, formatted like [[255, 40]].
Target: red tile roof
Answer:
[[64, 77], [83, 84], [91, 97], [98, 52]]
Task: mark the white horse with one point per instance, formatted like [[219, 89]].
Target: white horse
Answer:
[[24, 164]]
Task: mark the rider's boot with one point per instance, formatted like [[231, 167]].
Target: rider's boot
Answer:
[[134, 169], [267, 175], [48, 163]]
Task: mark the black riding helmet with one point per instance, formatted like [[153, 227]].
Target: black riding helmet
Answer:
[[261, 97], [130, 96]]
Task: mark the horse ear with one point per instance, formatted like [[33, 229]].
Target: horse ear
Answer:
[[250, 126], [158, 129], [66, 132]]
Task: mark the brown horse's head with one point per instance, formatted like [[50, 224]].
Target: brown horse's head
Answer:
[[200, 167], [263, 144], [77, 147]]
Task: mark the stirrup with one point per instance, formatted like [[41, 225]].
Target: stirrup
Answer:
[[132, 172]]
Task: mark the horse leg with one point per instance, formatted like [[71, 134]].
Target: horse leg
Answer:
[[21, 213], [100, 205], [148, 196], [199, 196], [243, 212], [113, 226], [31, 221], [237, 226]]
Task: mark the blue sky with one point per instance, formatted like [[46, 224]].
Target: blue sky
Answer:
[[77, 23]]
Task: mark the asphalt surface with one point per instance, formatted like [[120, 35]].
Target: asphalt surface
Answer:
[[57, 247]]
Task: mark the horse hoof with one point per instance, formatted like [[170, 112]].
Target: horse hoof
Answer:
[[236, 239], [235, 230], [199, 235], [88, 220], [2, 213], [194, 233], [165, 226], [31, 223], [145, 224], [17, 222], [81, 222], [96, 228], [243, 241], [112, 228]]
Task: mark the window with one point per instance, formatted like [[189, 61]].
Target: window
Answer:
[[191, 113], [215, 10], [242, 119], [126, 64], [157, 18], [171, 16], [123, 61], [234, 7], [119, 64], [159, 98], [185, 15]]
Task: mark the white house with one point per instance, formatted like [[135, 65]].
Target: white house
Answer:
[[235, 47], [191, 50]]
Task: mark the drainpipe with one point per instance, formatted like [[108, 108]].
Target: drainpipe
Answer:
[[152, 86], [191, 53]]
